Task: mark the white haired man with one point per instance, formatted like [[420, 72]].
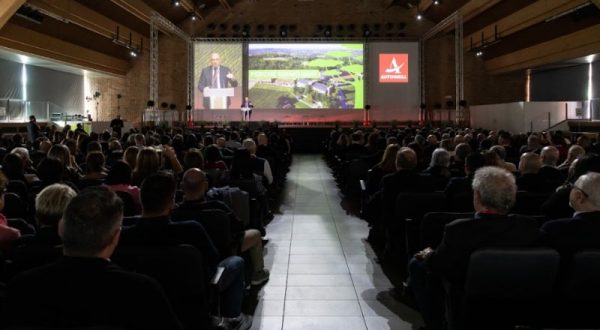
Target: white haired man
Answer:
[[494, 194]]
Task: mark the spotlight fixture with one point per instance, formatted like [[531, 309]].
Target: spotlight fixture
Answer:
[[133, 53], [437, 2], [479, 53], [193, 16], [176, 3], [419, 16]]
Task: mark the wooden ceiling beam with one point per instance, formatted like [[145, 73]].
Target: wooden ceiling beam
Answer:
[[578, 44], [597, 3], [533, 14], [7, 9], [472, 9], [139, 9], [76, 13], [225, 4], [28, 41], [190, 7]]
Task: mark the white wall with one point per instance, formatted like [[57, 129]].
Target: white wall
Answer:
[[523, 116]]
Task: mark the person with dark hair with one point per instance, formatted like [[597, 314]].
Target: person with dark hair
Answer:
[[457, 167], [12, 167], [85, 288], [462, 185], [156, 228], [95, 169], [193, 159], [213, 158], [119, 179], [117, 125]]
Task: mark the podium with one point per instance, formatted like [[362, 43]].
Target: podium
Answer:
[[245, 111], [218, 96]]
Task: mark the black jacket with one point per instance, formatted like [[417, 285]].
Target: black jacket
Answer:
[[464, 236], [79, 292]]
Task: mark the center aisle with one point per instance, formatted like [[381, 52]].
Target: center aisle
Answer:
[[323, 273]]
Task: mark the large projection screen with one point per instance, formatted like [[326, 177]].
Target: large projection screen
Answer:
[[306, 75], [218, 65], [393, 80]]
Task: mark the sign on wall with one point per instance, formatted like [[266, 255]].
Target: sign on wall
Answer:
[[393, 68]]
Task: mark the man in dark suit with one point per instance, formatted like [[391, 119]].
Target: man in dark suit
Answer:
[[549, 172], [494, 194], [155, 228], [85, 288], [216, 76], [580, 231], [459, 194], [529, 179]]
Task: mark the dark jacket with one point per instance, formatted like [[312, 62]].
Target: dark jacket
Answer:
[[78, 292], [402, 181], [464, 236], [573, 234]]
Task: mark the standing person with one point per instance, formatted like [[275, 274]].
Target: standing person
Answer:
[[33, 129], [216, 76], [247, 108], [117, 125]]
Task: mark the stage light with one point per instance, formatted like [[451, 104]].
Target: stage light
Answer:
[[194, 17], [176, 3], [419, 16], [479, 53], [133, 53], [437, 2]]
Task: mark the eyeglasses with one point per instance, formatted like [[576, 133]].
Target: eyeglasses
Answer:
[[582, 191]]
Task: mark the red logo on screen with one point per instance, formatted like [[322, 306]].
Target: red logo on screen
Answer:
[[393, 68]]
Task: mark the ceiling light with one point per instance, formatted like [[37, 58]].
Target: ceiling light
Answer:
[[436, 2], [479, 53], [419, 16], [194, 17], [176, 3], [133, 53]]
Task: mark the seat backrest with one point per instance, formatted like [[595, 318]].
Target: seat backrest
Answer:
[[23, 226], [512, 273], [247, 185], [217, 177], [461, 202], [179, 270], [18, 187], [217, 226], [433, 224], [583, 276], [414, 205], [529, 202]]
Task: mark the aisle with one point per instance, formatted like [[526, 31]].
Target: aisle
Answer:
[[323, 275]]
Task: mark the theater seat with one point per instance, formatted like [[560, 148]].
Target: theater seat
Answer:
[[179, 270], [504, 287], [433, 225], [580, 292]]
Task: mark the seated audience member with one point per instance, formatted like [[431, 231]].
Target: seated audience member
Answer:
[[40, 150], [119, 179], [8, 235], [195, 185], [63, 154], [462, 185], [221, 143], [533, 145], [557, 206], [115, 153], [84, 288], [494, 194], [581, 230], [356, 147], [234, 141], [259, 165], [12, 167], [457, 166], [50, 203], [146, 164], [529, 166], [438, 168], [501, 152], [193, 159], [575, 151], [95, 169], [27, 163], [130, 156], [386, 166], [155, 228], [549, 173], [214, 159]]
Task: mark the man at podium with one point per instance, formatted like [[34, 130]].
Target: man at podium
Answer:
[[215, 83]]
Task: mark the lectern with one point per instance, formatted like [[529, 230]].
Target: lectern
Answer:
[[218, 96]]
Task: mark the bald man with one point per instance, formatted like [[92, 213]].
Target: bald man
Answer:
[[195, 185], [529, 166], [216, 76]]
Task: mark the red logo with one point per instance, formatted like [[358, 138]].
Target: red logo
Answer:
[[393, 68]]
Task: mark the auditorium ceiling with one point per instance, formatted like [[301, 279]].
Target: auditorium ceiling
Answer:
[[506, 33]]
